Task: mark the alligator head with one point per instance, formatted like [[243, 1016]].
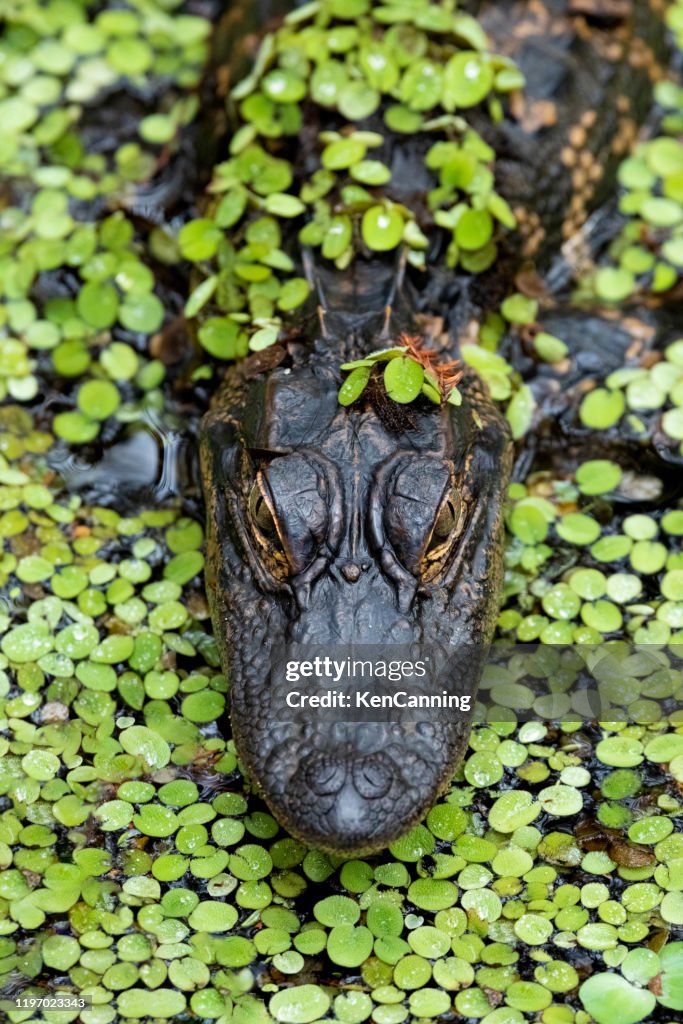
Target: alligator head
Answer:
[[328, 526]]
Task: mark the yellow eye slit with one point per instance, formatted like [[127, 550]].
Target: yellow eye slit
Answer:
[[447, 527], [263, 521], [261, 514], [446, 520]]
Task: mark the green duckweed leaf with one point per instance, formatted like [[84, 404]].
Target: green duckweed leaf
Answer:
[[403, 379], [134, 1003], [343, 153], [300, 1004], [614, 284], [98, 304], [147, 745], [264, 338], [468, 78], [349, 945], [98, 399], [199, 239], [382, 228], [356, 101], [520, 410], [354, 385], [598, 476], [611, 999], [221, 337], [601, 409], [519, 309]]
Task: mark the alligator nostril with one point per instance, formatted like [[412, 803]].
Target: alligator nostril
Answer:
[[324, 776], [351, 572], [373, 777]]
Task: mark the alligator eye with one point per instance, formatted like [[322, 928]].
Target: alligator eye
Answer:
[[266, 532], [293, 514], [447, 527], [260, 513], [423, 516], [446, 519]]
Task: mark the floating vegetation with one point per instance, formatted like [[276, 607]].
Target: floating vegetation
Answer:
[[360, 70], [641, 400], [189, 892], [648, 254], [56, 62], [136, 865], [410, 371], [413, 372], [622, 579]]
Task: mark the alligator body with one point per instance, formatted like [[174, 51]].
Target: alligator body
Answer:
[[330, 525]]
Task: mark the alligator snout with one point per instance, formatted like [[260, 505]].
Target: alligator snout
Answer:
[[353, 803], [351, 798]]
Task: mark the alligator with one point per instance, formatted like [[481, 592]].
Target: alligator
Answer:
[[383, 523]]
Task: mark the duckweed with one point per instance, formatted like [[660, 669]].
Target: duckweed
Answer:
[[55, 66], [641, 399], [410, 371], [375, 69], [135, 865]]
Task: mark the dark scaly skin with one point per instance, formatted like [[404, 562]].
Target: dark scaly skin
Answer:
[[346, 787], [276, 426]]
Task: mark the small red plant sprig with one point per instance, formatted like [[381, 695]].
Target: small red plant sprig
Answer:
[[411, 371]]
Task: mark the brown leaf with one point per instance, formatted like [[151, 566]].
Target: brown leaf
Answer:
[[630, 855]]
